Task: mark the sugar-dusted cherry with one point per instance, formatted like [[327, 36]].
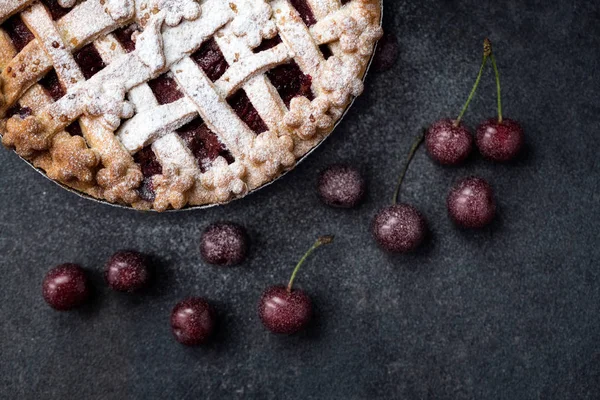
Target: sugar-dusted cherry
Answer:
[[341, 186], [65, 287], [448, 141], [499, 139], [224, 243], [471, 203], [193, 321], [400, 227], [387, 53], [127, 271], [285, 310]]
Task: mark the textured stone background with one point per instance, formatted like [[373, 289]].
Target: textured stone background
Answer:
[[507, 313]]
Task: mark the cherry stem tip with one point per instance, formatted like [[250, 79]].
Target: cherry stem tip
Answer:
[[322, 241]]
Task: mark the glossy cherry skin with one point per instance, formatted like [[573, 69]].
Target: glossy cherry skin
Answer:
[[471, 203], [500, 141], [126, 271], [224, 243], [193, 321], [65, 287], [448, 144], [341, 186], [399, 228], [284, 312]]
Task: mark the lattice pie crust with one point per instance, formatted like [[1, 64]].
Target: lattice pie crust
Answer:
[[166, 103]]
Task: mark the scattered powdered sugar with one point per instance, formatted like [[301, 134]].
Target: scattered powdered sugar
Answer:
[[177, 10], [149, 45], [120, 9], [253, 21], [67, 3]]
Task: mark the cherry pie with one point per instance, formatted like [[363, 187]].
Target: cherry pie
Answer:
[[161, 104]]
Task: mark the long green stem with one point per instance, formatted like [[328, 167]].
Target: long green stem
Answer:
[[411, 154], [320, 242], [473, 91], [487, 52], [498, 87]]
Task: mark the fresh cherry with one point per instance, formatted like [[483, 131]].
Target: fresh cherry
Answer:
[[448, 141], [386, 53], [499, 139], [126, 271], [471, 203], [224, 243], [400, 228], [285, 310], [65, 287], [341, 186], [193, 321]]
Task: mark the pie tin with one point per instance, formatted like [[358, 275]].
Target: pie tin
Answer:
[[189, 208]]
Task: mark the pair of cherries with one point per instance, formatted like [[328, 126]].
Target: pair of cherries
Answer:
[[401, 228], [67, 286]]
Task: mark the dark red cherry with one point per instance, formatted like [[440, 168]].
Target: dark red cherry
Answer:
[[224, 243], [399, 228], [341, 186], [65, 287], [193, 321], [500, 141], [126, 271], [283, 311], [386, 53], [448, 143], [471, 203]]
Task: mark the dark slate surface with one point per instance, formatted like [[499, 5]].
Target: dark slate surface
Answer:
[[507, 313]]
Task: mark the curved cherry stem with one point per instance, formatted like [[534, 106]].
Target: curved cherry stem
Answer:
[[411, 154], [497, 73], [320, 242], [487, 52]]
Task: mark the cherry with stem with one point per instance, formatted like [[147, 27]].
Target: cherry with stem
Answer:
[[400, 227], [285, 310], [448, 141], [499, 139]]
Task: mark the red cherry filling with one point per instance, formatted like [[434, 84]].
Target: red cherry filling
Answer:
[[22, 112], [203, 143], [305, 11], [123, 35], [150, 167], [326, 51], [290, 82], [242, 106], [210, 58], [52, 85], [268, 44], [18, 32], [89, 61], [55, 9], [74, 129], [165, 89]]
